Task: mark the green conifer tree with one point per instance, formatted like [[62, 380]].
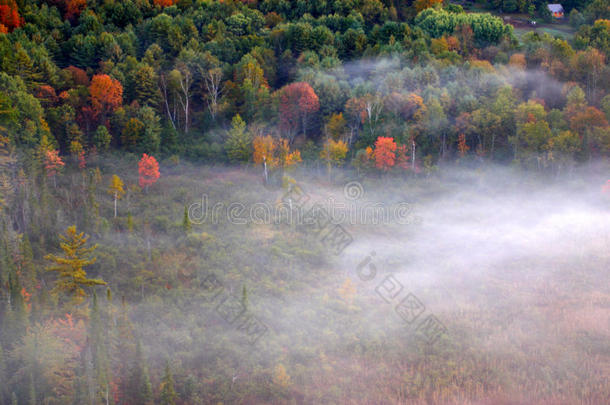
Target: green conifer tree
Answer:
[[168, 392]]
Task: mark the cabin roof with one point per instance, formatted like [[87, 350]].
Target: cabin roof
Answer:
[[555, 8]]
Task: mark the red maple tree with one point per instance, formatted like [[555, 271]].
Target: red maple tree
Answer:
[[385, 153], [165, 3], [106, 94], [297, 101], [74, 8], [148, 168], [9, 16]]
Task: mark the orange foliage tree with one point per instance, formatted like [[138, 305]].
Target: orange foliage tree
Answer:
[[285, 157], [385, 153], [106, 94], [52, 164], [165, 3], [462, 146], [148, 169], [276, 153], [264, 148], [9, 16]]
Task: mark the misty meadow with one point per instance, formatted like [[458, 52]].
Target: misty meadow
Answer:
[[304, 202]]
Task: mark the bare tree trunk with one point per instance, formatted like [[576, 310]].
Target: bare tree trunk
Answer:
[[212, 81], [164, 90], [185, 86]]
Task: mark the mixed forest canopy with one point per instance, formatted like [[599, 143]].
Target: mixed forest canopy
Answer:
[[169, 78], [115, 117]]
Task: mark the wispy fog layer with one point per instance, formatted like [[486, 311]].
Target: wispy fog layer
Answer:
[[513, 268]]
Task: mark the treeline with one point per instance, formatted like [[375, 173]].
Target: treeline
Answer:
[[169, 77]]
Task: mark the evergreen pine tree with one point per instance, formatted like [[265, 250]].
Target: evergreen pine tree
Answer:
[[17, 317], [27, 266], [129, 222], [244, 297], [70, 266], [168, 392], [99, 350], [186, 222], [141, 389], [239, 141]]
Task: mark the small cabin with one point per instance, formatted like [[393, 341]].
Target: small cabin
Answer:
[[556, 10]]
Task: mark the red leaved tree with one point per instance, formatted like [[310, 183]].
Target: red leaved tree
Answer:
[[297, 101], [74, 8], [385, 153], [9, 16], [79, 76], [82, 161], [402, 157], [148, 168], [106, 95], [165, 3]]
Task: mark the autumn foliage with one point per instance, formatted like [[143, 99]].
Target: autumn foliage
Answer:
[[53, 162], [9, 16], [296, 102], [385, 153], [165, 3], [275, 153], [73, 8], [424, 4], [79, 76], [106, 94], [263, 149], [148, 169]]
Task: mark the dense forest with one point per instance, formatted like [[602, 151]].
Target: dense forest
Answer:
[[116, 117]]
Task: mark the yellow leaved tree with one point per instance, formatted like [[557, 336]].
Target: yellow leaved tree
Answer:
[[71, 275], [116, 189]]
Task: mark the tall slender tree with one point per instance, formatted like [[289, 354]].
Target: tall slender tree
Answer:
[[70, 268]]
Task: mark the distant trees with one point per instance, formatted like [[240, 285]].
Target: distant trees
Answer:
[[106, 95], [333, 153], [71, 275], [297, 102], [385, 153], [52, 164], [168, 392], [9, 16], [148, 169], [274, 152], [116, 190], [487, 29], [239, 141]]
